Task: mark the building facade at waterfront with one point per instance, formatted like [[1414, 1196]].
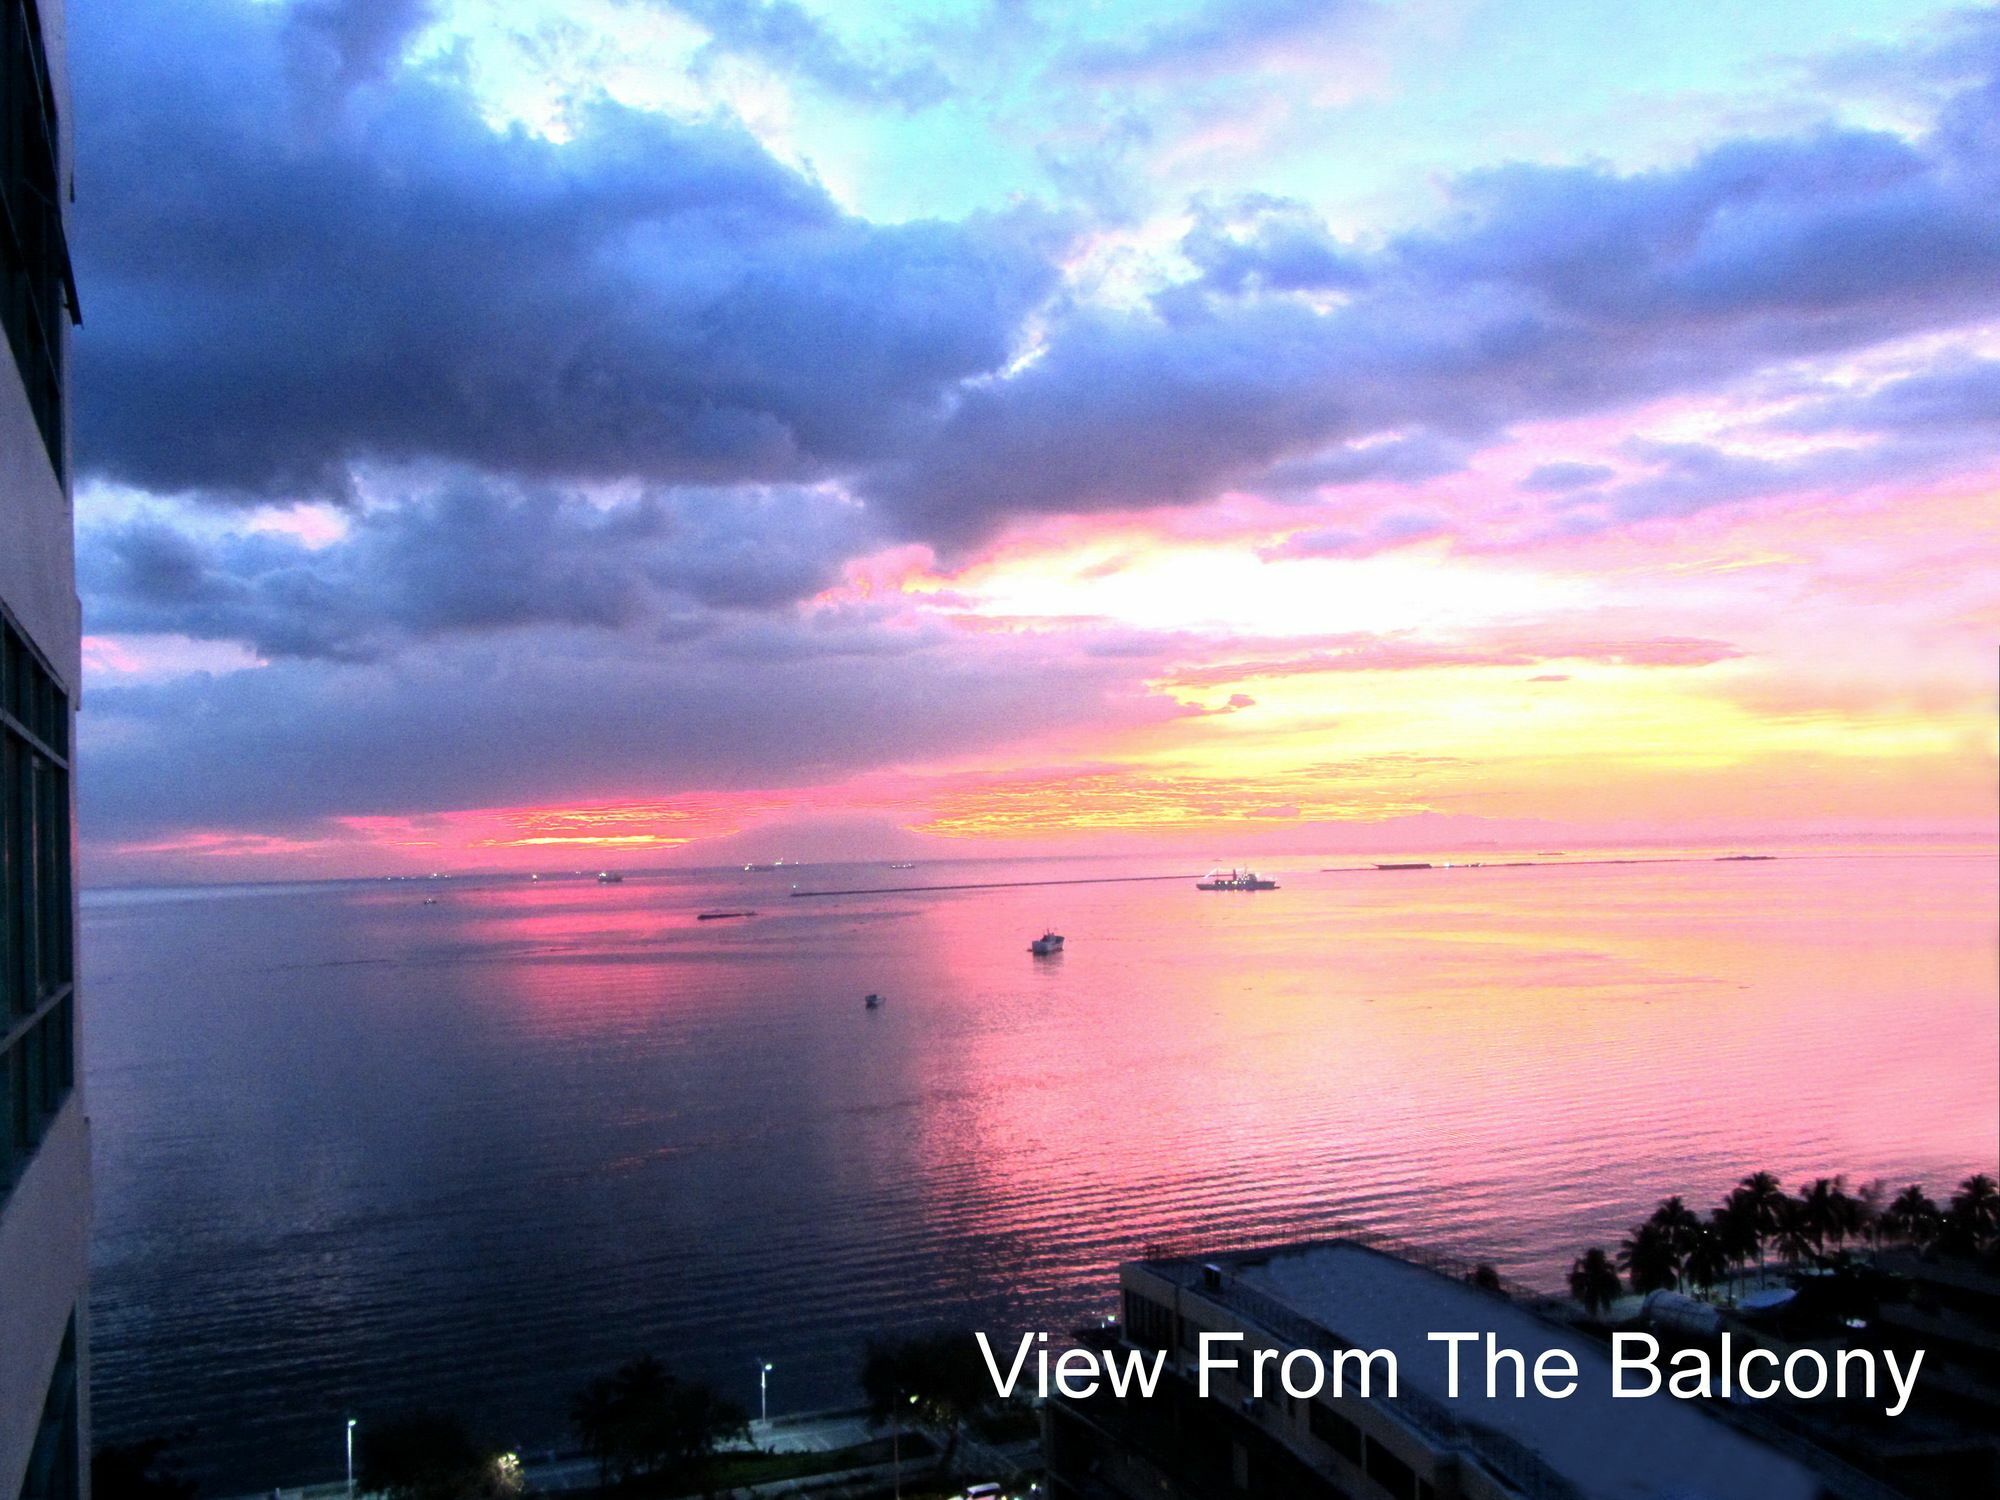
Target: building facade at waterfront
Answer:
[[1419, 1444], [44, 1139]]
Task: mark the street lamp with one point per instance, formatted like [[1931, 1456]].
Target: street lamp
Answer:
[[764, 1391], [350, 1458]]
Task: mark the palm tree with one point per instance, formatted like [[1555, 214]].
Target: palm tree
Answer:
[[1975, 1212], [1593, 1281], [1793, 1239], [1819, 1210], [1869, 1202], [1735, 1232], [1678, 1223], [1912, 1217], [1707, 1259], [1762, 1197], [1648, 1260]]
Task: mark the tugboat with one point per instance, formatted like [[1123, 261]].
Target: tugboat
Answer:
[[1235, 880], [872, 1002], [1049, 942]]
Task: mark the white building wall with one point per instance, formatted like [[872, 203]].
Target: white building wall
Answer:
[[45, 1220]]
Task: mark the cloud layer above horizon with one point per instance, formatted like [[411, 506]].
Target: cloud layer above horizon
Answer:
[[677, 417]]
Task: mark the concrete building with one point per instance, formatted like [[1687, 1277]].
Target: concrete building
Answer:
[[1419, 1444], [44, 1138]]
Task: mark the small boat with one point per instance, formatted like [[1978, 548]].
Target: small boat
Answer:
[[1049, 942], [754, 869], [1732, 859], [1235, 880], [908, 864], [872, 1002], [610, 877], [1404, 864], [717, 916], [430, 901]]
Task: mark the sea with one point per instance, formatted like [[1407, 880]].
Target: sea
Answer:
[[462, 1144]]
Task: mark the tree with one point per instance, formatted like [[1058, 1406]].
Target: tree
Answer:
[[939, 1379], [1793, 1240], [1818, 1211], [1762, 1198], [1486, 1279], [1647, 1258], [1974, 1220], [425, 1456], [1869, 1204], [1593, 1281], [1707, 1259], [1734, 1226], [1911, 1217], [642, 1422]]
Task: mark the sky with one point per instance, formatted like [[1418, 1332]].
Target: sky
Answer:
[[516, 436]]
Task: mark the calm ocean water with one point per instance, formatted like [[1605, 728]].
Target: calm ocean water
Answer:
[[356, 1153]]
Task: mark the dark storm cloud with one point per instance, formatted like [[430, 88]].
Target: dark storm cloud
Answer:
[[466, 723], [472, 557], [273, 301], [791, 39], [1548, 292]]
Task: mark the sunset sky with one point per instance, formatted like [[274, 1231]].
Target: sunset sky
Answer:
[[515, 435]]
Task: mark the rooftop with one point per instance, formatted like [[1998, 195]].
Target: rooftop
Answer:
[[1605, 1448]]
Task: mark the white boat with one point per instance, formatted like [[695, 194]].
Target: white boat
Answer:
[[1049, 942], [610, 877], [1234, 880]]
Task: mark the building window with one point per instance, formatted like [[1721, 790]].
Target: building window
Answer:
[[37, 954], [37, 290], [1339, 1434], [1389, 1471], [54, 1464], [1148, 1324]]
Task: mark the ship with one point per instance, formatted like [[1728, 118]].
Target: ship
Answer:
[[1049, 942], [776, 864], [610, 877], [1234, 880], [1407, 864], [871, 1002]]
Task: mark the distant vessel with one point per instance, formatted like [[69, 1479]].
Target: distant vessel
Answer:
[[717, 916], [906, 865], [872, 1002], [1725, 859], [1406, 864], [1235, 880], [430, 901], [610, 877], [776, 864], [1049, 942]]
